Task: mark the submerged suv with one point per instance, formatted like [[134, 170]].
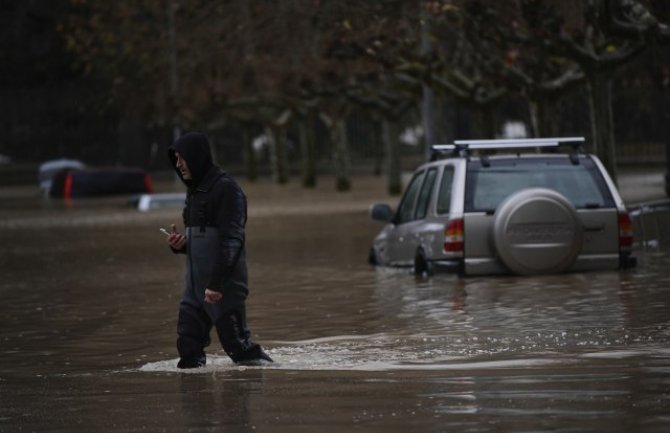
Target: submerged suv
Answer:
[[521, 212]]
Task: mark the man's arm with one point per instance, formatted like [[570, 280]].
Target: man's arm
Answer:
[[230, 221]]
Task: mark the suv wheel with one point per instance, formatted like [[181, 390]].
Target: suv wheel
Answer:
[[373, 258], [421, 265], [537, 230]]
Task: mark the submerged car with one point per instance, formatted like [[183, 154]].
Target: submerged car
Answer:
[[519, 212], [99, 181]]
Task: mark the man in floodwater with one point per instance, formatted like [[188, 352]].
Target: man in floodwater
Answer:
[[216, 273]]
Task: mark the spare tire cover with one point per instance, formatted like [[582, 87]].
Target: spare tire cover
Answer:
[[537, 230]]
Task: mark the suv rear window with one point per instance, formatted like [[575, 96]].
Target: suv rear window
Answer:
[[582, 184]]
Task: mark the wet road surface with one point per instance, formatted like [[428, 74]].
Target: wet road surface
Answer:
[[88, 320]]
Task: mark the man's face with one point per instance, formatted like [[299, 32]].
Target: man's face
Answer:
[[182, 167]]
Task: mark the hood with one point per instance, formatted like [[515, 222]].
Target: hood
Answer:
[[194, 148]]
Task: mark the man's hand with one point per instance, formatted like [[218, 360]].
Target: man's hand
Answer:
[[212, 296], [176, 239]]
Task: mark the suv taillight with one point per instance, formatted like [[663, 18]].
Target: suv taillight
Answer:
[[625, 232], [453, 237]]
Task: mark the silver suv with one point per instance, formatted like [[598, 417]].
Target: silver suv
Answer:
[[521, 212]]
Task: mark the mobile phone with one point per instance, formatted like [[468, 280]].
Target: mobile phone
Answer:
[[167, 233]]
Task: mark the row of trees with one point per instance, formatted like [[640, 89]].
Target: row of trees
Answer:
[[293, 65]]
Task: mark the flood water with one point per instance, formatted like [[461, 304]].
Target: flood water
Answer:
[[88, 320]]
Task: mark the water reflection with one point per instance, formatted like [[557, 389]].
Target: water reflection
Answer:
[[215, 402], [500, 308]]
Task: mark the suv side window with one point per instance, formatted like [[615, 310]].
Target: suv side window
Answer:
[[424, 195], [444, 198], [406, 208]]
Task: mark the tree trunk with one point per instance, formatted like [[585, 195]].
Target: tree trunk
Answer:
[[249, 154], [485, 122], [547, 121], [278, 162], [132, 147], [378, 165], [534, 109], [666, 115], [428, 118], [307, 146], [341, 158], [602, 123], [173, 69], [428, 97], [390, 137], [542, 124]]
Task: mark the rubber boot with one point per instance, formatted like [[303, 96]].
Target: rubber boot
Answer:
[[193, 328], [235, 339]]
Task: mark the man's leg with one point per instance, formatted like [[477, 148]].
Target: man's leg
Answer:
[[193, 328], [234, 335]]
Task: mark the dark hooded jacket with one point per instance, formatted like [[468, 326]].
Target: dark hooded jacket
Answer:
[[214, 218]]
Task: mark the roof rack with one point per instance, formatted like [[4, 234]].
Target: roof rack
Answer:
[[464, 147]]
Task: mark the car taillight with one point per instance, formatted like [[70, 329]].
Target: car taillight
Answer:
[[453, 237], [625, 232], [148, 185], [67, 187]]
